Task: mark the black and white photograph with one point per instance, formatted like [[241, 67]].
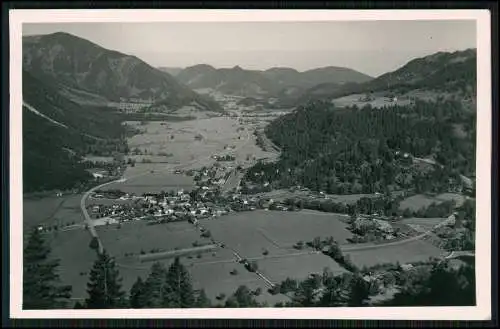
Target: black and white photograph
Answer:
[[219, 162]]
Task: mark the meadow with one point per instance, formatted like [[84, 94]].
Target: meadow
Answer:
[[413, 251], [251, 233], [52, 210], [153, 182], [420, 201]]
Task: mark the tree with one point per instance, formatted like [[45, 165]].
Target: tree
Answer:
[[94, 243], [305, 294], [137, 294], [316, 243], [105, 284], [242, 297], [359, 292], [155, 286], [179, 289], [202, 300], [41, 282]]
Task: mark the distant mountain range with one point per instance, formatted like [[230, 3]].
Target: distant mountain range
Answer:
[[451, 72], [173, 71], [274, 82], [89, 73]]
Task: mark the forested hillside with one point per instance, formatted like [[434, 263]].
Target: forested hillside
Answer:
[[55, 138], [353, 150]]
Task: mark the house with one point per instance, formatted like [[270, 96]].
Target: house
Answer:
[[384, 225], [406, 267]]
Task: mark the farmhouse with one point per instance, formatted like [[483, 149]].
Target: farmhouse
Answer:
[[384, 226]]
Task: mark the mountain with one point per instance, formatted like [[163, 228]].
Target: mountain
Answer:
[[86, 71], [356, 149], [274, 82], [234, 81], [57, 132], [450, 72], [173, 71]]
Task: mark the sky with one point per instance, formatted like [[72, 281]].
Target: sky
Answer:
[[371, 47]]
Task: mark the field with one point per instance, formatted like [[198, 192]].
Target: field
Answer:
[[379, 101], [209, 270], [247, 233], [64, 210], [422, 224], [153, 182], [72, 248], [250, 233], [95, 158], [178, 140], [419, 201], [133, 237], [298, 267], [413, 251]]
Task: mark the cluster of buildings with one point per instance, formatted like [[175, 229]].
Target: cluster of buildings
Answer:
[[373, 227]]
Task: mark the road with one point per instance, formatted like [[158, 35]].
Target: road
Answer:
[[88, 220]]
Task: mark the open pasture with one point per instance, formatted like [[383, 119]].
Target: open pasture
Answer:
[[458, 198], [178, 140], [250, 233], [297, 266], [76, 258], [217, 279], [61, 211], [412, 251], [96, 158], [419, 201], [135, 236], [425, 224], [378, 101], [154, 182]]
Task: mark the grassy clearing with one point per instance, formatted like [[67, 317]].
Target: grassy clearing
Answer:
[[153, 182], [419, 201], [297, 267], [252, 232], [405, 253], [133, 237], [52, 211], [416, 202], [458, 198], [378, 101], [95, 158], [72, 248], [424, 223]]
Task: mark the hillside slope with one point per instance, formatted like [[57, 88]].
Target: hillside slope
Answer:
[[352, 149], [82, 69], [58, 132], [450, 72]]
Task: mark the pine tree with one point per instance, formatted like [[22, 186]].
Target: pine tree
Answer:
[[104, 287], [359, 292], [138, 294], [155, 287], [202, 300], [41, 288], [180, 293]]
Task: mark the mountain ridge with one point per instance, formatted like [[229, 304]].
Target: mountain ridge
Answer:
[[264, 83], [72, 62]]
